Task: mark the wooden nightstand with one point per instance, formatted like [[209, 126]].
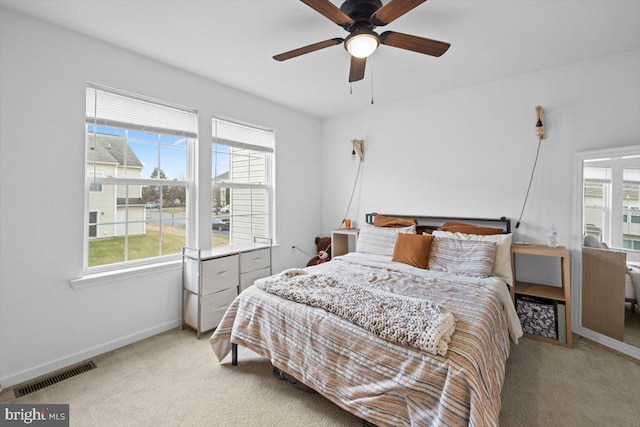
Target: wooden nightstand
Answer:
[[560, 294], [340, 240]]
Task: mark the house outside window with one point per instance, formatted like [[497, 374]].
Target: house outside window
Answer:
[[137, 180], [242, 182]]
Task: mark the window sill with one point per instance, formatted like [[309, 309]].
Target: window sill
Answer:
[[106, 277]]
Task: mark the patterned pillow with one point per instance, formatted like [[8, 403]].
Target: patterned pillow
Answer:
[[380, 240], [502, 266], [465, 257]]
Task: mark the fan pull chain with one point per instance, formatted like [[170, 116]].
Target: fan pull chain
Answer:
[[350, 88], [371, 68]]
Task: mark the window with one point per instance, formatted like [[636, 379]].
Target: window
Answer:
[[597, 189], [94, 186], [242, 183], [631, 207], [611, 190], [137, 180], [631, 244]]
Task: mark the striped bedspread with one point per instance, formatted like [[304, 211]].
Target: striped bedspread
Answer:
[[385, 383], [401, 319]]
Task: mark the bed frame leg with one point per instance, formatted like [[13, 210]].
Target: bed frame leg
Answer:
[[234, 354]]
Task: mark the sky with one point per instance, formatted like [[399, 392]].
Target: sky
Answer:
[[152, 149], [173, 152]]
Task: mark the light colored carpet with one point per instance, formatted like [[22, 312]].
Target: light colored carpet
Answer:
[[550, 385], [173, 379]]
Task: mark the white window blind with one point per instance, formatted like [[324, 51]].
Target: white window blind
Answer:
[[242, 136], [106, 107], [631, 175], [597, 174]]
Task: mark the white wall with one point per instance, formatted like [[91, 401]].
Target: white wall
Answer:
[[469, 152], [44, 323]]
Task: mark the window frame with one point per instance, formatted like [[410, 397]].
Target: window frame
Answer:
[[269, 149], [612, 196], [92, 178], [629, 156], [606, 209]]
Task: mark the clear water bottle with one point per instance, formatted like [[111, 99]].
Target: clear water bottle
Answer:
[[552, 237]]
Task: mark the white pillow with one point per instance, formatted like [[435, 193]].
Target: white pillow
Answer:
[[380, 240], [502, 266]]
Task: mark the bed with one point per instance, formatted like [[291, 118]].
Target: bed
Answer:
[[387, 382]]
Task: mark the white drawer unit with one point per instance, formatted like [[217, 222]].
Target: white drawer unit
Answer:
[[247, 279], [212, 308], [254, 265], [255, 260], [212, 279], [215, 275]]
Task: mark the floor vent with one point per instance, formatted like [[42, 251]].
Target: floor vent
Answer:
[[55, 378]]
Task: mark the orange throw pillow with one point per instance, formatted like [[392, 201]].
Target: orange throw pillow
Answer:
[[459, 227], [387, 221], [413, 249]]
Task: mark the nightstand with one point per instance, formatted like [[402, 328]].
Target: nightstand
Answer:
[[561, 294], [340, 240]]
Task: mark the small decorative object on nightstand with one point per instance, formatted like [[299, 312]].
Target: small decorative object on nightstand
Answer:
[[340, 240], [560, 295]]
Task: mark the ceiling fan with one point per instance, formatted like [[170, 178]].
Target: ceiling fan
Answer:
[[359, 18]]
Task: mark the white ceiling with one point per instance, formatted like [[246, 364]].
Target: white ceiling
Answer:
[[232, 42]]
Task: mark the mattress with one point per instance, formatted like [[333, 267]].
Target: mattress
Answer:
[[385, 383]]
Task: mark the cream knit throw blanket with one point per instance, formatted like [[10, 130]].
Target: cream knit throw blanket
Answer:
[[396, 318]]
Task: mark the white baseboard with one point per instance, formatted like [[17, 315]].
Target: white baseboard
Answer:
[[63, 362], [606, 341]]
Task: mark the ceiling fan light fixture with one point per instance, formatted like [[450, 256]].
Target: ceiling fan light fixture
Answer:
[[362, 43], [359, 18]]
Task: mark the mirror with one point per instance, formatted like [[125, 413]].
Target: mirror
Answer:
[[606, 236]]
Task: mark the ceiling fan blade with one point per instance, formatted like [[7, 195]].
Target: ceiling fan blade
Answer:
[[414, 43], [393, 10], [329, 10], [357, 69], [307, 49]]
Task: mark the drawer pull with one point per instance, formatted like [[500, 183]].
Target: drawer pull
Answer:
[[222, 273], [258, 259]]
